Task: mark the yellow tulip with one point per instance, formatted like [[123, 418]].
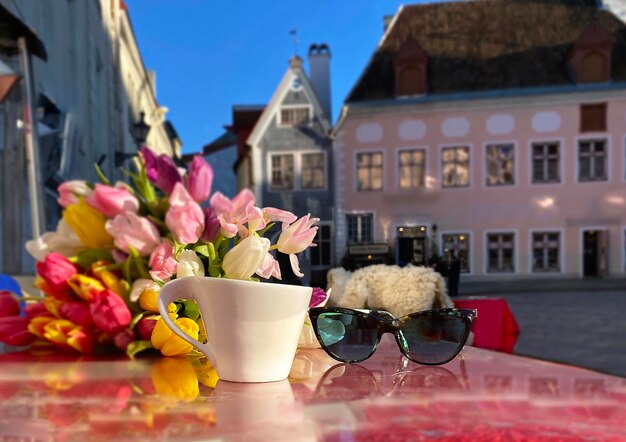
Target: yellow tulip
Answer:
[[206, 374], [148, 300], [88, 224], [37, 325], [167, 342], [110, 279], [85, 287], [175, 378]]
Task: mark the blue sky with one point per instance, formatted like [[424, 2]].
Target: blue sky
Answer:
[[212, 54]]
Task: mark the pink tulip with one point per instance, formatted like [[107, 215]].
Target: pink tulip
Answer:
[[232, 213], [278, 215], [200, 179], [109, 312], [212, 225], [111, 201], [8, 305], [298, 236], [70, 191], [254, 219], [56, 270], [269, 268], [14, 331], [161, 170], [162, 262], [77, 312], [131, 230], [184, 217]]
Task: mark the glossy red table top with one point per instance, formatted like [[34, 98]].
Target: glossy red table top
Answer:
[[480, 396]]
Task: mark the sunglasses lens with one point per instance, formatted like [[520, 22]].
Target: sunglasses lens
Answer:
[[432, 339], [348, 337]]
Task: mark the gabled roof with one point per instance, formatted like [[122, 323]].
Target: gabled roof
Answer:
[[294, 70], [489, 44]]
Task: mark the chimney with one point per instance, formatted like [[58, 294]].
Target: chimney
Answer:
[[319, 74], [387, 21]]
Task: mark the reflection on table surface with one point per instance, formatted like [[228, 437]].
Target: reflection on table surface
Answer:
[[481, 395]]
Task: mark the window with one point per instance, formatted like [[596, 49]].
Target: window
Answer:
[[321, 255], [410, 82], [500, 164], [455, 166], [501, 252], [593, 118], [459, 244], [282, 172], [545, 162], [369, 171], [546, 246], [594, 68], [291, 116], [312, 174], [411, 165], [592, 159], [360, 228]]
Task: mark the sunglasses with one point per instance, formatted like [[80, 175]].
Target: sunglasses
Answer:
[[431, 337]]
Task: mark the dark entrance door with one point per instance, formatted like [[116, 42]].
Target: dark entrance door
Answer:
[[590, 253]]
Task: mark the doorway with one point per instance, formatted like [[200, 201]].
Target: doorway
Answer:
[[595, 253], [411, 247]]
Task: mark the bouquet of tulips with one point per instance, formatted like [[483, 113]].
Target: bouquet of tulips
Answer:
[[101, 270]]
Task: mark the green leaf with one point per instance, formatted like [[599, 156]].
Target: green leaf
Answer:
[[137, 347], [87, 257], [178, 247], [267, 227], [189, 309], [203, 249], [101, 175]]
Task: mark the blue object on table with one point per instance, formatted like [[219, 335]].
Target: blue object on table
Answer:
[[9, 283]]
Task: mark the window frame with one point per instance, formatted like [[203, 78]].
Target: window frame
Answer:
[[297, 165], [356, 169], [469, 165], [486, 233], [360, 213], [270, 175], [398, 167], [279, 115], [486, 165], [531, 166], [470, 245], [561, 254], [607, 168], [330, 245], [324, 166]]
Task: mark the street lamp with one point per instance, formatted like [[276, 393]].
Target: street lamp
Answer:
[[140, 130]]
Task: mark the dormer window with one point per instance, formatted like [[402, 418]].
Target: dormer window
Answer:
[[410, 65], [294, 116], [589, 59]]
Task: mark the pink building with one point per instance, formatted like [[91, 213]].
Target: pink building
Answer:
[[495, 130]]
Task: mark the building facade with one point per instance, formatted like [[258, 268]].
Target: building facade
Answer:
[[289, 161], [492, 130], [89, 94]]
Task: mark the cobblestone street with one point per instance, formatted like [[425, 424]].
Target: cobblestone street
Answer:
[[586, 328]]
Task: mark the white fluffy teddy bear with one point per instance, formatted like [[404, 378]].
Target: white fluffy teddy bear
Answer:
[[398, 290]]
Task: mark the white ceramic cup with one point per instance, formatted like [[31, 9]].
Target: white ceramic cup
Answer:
[[252, 328]]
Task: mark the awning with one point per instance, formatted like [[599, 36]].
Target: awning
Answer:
[[12, 28]]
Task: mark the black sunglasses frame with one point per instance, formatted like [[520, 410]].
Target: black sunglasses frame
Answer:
[[384, 322]]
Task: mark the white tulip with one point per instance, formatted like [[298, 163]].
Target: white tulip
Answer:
[[63, 241], [189, 264], [242, 261], [139, 286]]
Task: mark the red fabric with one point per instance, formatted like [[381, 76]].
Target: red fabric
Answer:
[[495, 327]]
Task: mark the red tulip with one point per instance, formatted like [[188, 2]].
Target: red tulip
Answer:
[[123, 339], [77, 312], [14, 331], [145, 327], [110, 313], [35, 309], [56, 270], [8, 305]]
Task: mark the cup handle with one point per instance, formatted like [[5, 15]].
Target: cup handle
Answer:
[[170, 293]]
